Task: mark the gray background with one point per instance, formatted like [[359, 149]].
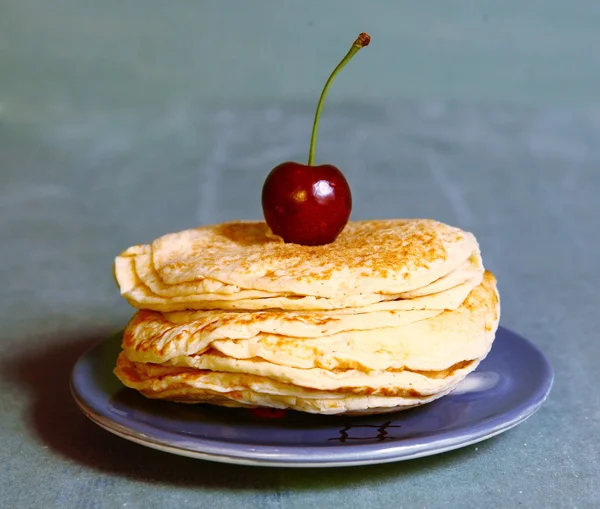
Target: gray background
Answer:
[[124, 120]]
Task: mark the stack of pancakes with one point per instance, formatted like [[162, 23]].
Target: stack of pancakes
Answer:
[[393, 314]]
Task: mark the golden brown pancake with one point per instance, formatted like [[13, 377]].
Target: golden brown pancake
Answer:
[[416, 360], [393, 314], [372, 261]]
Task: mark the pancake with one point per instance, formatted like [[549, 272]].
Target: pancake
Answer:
[[251, 391], [150, 333], [303, 340], [392, 315], [422, 360], [446, 292], [139, 297], [136, 264], [369, 261]]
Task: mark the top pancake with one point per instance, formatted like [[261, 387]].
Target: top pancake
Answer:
[[386, 257]]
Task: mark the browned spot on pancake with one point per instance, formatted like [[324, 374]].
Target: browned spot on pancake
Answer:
[[343, 366]]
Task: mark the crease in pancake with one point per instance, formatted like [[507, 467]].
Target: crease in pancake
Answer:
[[471, 269], [146, 273]]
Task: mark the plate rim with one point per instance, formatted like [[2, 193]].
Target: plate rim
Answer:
[[315, 456]]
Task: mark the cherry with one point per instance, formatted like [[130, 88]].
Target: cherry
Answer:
[[307, 204]]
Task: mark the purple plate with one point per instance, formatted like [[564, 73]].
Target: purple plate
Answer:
[[507, 388]]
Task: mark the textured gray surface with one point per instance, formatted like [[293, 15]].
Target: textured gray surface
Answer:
[[93, 160]]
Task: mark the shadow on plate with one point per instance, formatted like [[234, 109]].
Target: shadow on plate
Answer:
[[53, 416]]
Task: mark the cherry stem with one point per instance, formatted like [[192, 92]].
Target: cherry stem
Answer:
[[361, 41]]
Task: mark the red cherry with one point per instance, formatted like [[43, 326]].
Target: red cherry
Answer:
[[307, 204]]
